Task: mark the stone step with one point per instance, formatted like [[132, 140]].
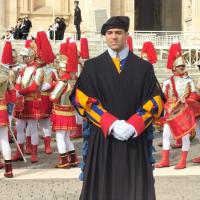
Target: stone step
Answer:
[[97, 46], [61, 185]]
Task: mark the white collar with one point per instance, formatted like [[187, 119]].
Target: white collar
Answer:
[[122, 54]]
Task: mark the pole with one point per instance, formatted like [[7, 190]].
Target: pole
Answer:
[[17, 144]]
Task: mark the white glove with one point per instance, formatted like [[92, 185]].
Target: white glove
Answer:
[[121, 130], [45, 86], [18, 94]]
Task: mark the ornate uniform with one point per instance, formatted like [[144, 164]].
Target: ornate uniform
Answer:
[[179, 118], [28, 84], [197, 129], [28, 105], [5, 85], [63, 113], [50, 77], [64, 117]]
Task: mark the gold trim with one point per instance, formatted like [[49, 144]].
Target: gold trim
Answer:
[[32, 98], [3, 107], [64, 113], [45, 93], [63, 108]]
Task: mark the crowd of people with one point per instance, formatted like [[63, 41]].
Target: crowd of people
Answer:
[[35, 94], [20, 31], [118, 96], [58, 28]]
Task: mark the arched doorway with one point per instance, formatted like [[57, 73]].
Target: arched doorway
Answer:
[[158, 15]]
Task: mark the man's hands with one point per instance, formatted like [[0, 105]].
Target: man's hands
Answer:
[[121, 130]]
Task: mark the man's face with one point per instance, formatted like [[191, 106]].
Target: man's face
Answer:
[[28, 59], [180, 69], [116, 39]]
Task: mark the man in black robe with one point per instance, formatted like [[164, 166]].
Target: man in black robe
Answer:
[[77, 19], [119, 95]]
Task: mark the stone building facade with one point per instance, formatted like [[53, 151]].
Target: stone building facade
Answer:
[[159, 15]]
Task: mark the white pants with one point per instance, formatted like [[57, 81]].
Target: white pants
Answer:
[[10, 117], [166, 139], [45, 125], [64, 143], [197, 129], [4, 143], [31, 127]]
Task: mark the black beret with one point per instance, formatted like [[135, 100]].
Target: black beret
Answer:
[[121, 22]]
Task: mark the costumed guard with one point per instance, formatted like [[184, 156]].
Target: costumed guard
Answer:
[[6, 84], [118, 93], [10, 62], [27, 108], [63, 116], [179, 90], [45, 53], [84, 56], [197, 129], [149, 54]]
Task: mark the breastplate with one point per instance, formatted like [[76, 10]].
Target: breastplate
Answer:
[[4, 76], [28, 77]]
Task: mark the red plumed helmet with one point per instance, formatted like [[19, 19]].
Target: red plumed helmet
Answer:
[[7, 54], [174, 52], [84, 50], [130, 43], [72, 54], [149, 52], [44, 49]]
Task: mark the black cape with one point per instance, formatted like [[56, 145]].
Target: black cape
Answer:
[[118, 170]]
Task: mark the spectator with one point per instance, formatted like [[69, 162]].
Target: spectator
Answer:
[[26, 26], [18, 29], [77, 19], [60, 28]]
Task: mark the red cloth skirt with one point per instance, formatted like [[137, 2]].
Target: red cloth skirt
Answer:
[[63, 118], [47, 105], [31, 109], [4, 121]]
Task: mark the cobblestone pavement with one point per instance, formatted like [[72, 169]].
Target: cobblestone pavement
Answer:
[[55, 184]]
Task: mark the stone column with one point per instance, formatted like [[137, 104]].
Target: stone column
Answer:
[[195, 15], [2, 15], [26, 6], [130, 11]]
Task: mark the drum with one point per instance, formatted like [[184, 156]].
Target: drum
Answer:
[[181, 121], [195, 106]]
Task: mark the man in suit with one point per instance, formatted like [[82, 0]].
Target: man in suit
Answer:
[[77, 19]]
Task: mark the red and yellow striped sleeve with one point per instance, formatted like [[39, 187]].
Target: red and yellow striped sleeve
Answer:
[[151, 110], [92, 109]]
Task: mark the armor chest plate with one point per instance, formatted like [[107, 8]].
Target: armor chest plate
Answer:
[[28, 76], [47, 74], [4, 76]]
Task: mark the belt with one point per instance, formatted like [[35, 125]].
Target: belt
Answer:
[[64, 113]]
